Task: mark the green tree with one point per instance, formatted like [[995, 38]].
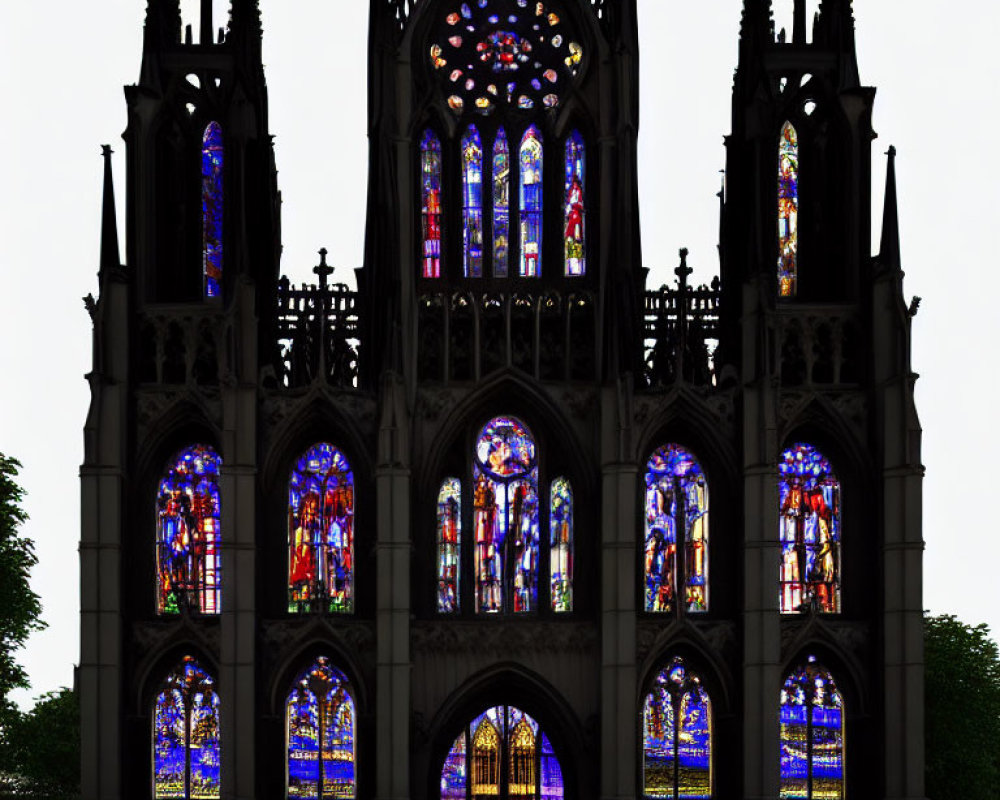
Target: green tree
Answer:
[[963, 710], [45, 748], [19, 606]]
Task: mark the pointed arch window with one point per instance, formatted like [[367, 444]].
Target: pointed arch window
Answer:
[[449, 527], [676, 532], [188, 566], [809, 497], [472, 205], [320, 724], [505, 511], [501, 205], [212, 161], [788, 211], [812, 735], [677, 736], [321, 532], [575, 209], [531, 204], [502, 753], [561, 545], [430, 181], [186, 735]]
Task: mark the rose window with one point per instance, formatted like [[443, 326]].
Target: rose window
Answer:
[[492, 53]]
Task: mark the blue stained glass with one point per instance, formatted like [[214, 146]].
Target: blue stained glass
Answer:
[[188, 563], [531, 203], [449, 526], [472, 207], [321, 532], [430, 188], [186, 735], [561, 545], [552, 777], [788, 211], [809, 498], [454, 774], [212, 158], [501, 205], [575, 210], [812, 735]]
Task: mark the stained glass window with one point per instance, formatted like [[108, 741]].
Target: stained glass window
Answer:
[[502, 753], [186, 735], [788, 211], [531, 203], [561, 548], [188, 533], [676, 523], [472, 206], [809, 494], [321, 737], [493, 54], [211, 208], [505, 513], [501, 204], [575, 213], [449, 527], [677, 737], [430, 177], [321, 532], [812, 735]]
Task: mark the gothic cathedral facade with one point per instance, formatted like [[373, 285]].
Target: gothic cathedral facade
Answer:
[[501, 520]]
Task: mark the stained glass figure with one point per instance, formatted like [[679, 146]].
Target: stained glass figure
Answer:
[[212, 157], [812, 735], [321, 737], [531, 203], [321, 532], [561, 545], [676, 522], [449, 528], [788, 211], [186, 735], [575, 212], [809, 494], [505, 513], [188, 565], [677, 737], [502, 753], [501, 205], [430, 177], [472, 206], [504, 53]]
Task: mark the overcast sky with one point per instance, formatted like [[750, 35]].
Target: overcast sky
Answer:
[[62, 68]]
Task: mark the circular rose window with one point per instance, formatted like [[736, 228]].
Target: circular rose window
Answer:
[[491, 53]]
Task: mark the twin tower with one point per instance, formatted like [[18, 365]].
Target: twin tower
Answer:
[[501, 521]]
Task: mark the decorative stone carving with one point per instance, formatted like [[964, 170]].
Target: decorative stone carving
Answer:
[[503, 638]]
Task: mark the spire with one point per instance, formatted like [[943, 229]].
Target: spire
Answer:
[[799, 23], [757, 25], [244, 19], [163, 23], [889, 254], [110, 256], [206, 22]]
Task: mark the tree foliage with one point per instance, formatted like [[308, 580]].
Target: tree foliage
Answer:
[[42, 759], [963, 710]]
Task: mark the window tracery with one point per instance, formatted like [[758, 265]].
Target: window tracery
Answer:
[[676, 531], [788, 211], [809, 497], [320, 720], [812, 735], [321, 532], [212, 198], [677, 737], [186, 735], [188, 564], [501, 205]]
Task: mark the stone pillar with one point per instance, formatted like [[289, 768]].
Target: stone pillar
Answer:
[[619, 674], [761, 559], [102, 487], [392, 614], [237, 673]]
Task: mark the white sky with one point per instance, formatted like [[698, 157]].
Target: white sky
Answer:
[[61, 73]]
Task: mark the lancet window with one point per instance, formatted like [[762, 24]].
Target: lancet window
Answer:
[[676, 532], [809, 497], [186, 735], [561, 545], [188, 566], [788, 211], [677, 737], [321, 532], [472, 207], [212, 161], [449, 531], [575, 209], [502, 753], [430, 187], [531, 204], [812, 735], [320, 724], [501, 205]]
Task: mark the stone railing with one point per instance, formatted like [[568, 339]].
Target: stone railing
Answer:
[[819, 345], [182, 345]]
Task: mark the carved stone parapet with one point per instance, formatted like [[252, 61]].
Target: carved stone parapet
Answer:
[[501, 638]]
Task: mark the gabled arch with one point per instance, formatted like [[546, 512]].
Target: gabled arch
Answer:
[[186, 639], [683, 638], [818, 639], [319, 639]]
